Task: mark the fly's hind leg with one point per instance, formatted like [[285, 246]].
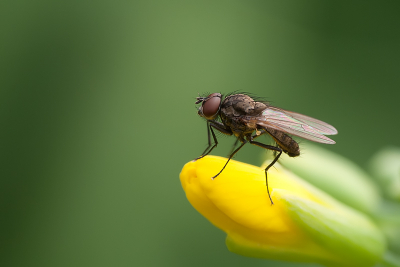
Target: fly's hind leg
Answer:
[[275, 152], [269, 147]]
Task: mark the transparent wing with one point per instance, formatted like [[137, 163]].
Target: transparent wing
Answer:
[[322, 127], [297, 124]]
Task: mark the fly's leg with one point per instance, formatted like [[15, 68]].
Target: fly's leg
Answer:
[[234, 145], [275, 152], [218, 126], [275, 149], [258, 133], [230, 156], [209, 142]]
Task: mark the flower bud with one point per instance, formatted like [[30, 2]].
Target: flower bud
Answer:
[[303, 225]]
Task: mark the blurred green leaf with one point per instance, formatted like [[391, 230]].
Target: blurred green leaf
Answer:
[[385, 167]]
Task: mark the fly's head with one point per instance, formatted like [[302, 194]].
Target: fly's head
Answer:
[[210, 106]]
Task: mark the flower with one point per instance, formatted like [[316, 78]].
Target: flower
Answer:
[[304, 224]]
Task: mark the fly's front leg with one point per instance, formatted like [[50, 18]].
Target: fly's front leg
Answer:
[[218, 126], [209, 142], [275, 149]]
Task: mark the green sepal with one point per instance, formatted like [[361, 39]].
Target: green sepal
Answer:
[[347, 234], [337, 176]]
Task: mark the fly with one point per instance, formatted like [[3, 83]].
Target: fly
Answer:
[[247, 119]]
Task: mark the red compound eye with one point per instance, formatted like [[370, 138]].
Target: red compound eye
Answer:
[[211, 105]]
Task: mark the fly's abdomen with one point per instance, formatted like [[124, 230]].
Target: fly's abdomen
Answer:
[[285, 142]]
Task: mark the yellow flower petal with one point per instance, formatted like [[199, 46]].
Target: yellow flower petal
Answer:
[[237, 202]]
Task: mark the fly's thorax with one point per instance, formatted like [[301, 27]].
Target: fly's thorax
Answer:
[[241, 105], [239, 125], [239, 112], [226, 120]]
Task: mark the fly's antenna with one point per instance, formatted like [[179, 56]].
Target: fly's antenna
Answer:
[[199, 99]]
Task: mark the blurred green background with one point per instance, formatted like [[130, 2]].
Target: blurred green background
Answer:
[[98, 117]]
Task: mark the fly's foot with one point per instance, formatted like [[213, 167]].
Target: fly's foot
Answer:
[[198, 158]]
